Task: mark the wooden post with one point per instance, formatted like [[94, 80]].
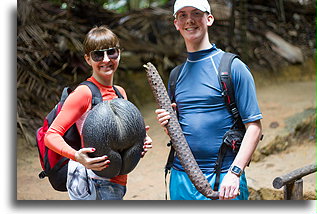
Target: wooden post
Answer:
[[293, 182], [294, 190], [291, 177]]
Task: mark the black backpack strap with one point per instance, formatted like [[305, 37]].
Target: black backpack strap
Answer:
[[225, 80], [169, 164], [171, 92], [218, 164], [65, 93], [48, 170], [96, 95], [172, 81], [170, 158], [118, 92]]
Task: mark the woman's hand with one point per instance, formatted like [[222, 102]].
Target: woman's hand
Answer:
[[229, 188], [147, 143], [97, 164]]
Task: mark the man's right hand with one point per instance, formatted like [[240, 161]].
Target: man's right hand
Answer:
[[163, 116]]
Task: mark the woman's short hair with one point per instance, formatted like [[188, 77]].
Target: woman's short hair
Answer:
[[100, 38]]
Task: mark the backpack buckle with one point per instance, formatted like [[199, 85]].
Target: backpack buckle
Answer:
[[42, 174], [234, 111], [224, 93]]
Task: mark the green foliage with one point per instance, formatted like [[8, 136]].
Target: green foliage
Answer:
[[120, 6]]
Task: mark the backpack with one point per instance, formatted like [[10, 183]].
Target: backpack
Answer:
[[53, 164], [233, 138]]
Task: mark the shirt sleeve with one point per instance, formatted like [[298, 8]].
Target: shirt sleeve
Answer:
[[245, 92], [74, 107]]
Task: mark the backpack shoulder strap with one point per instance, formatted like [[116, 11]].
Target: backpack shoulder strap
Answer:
[[65, 93], [225, 79], [118, 92], [171, 92], [96, 95], [172, 81]]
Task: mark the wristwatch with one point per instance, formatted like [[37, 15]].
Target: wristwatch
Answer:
[[236, 170]]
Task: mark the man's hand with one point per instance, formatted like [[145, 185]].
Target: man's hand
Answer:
[[163, 116], [229, 188]]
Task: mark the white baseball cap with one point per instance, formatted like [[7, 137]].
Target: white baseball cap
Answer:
[[202, 5]]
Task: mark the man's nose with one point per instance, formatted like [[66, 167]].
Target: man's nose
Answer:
[[189, 19]]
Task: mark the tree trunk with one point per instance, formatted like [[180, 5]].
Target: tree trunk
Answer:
[[232, 23], [243, 28]]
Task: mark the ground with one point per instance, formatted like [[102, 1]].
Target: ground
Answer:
[[278, 103]]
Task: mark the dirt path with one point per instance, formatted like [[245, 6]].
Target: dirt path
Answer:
[[278, 103]]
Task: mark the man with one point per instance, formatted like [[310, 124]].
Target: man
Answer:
[[202, 112]]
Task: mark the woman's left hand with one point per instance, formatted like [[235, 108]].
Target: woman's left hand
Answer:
[[147, 143], [229, 187]]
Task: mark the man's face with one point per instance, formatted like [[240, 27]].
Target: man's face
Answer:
[[192, 23]]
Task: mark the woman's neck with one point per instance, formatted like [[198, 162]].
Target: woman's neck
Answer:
[[105, 82]]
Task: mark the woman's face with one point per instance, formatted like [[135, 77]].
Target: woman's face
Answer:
[[104, 62]]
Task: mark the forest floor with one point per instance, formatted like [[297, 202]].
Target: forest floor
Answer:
[[280, 103]]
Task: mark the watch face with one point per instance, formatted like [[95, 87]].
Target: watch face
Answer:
[[236, 170]]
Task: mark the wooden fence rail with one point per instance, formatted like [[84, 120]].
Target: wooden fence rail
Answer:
[[293, 182]]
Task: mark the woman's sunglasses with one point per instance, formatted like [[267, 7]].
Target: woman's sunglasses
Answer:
[[98, 55]]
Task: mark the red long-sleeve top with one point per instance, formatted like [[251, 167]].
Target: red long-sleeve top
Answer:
[[75, 110]]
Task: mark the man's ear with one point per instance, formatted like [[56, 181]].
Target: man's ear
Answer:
[[210, 20], [175, 24], [87, 58]]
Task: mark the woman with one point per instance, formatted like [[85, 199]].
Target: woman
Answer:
[[102, 53]]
